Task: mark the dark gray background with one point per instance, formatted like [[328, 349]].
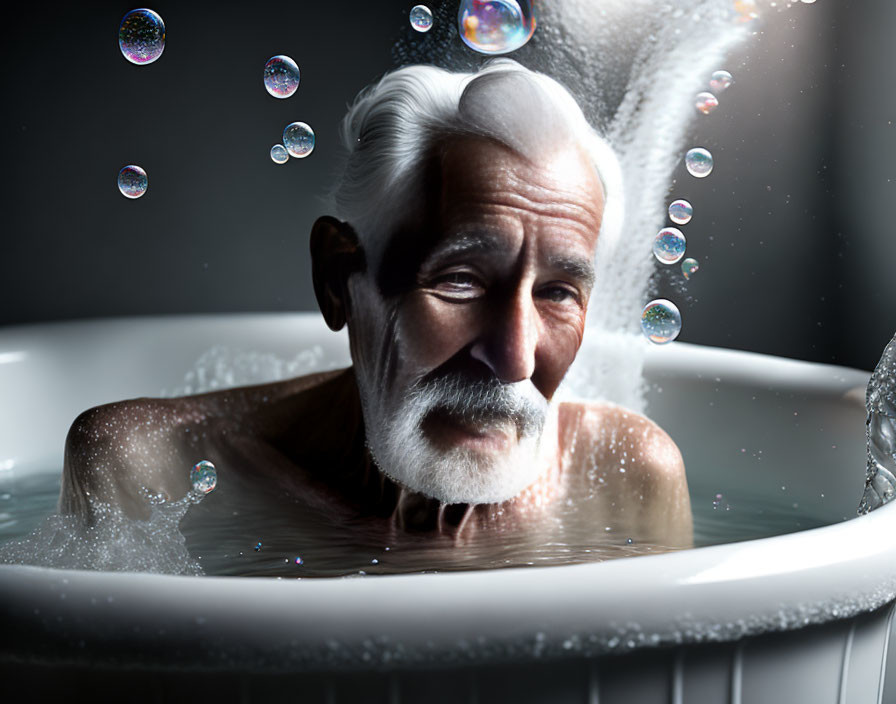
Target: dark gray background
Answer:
[[793, 233]]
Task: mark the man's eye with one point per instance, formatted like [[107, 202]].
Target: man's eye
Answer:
[[558, 294], [458, 284]]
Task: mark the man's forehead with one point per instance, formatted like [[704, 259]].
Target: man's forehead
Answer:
[[558, 182], [486, 191]]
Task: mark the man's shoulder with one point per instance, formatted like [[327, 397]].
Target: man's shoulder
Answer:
[[600, 432], [635, 463], [113, 449]]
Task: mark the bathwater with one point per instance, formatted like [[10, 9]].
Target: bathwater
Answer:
[[262, 535]]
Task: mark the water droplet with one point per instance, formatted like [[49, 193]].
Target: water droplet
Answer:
[[421, 18], [719, 502], [680, 212], [496, 26], [279, 155], [203, 477], [669, 245], [629, 541], [299, 560], [141, 36], [132, 181], [661, 321], [720, 80], [698, 162], [298, 138], [374, 561], [689, 267], [281, 76], [706, 102]]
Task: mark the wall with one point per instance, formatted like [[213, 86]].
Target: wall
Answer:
[[792, 229]]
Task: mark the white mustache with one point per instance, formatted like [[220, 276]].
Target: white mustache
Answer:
[[483, 401]]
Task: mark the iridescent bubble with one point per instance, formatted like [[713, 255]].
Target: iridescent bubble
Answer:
[[698, 162], [680, 212], [299, 561], [132, 181], [496, 26], [720, 80], [719, 502], [421, 18], [141, 36], [689, 267], [258, 546], [746, 10], [281, 76], [669, 245], [661, 321], [706, 102], [279, 155], [203, 477], [298, 138]]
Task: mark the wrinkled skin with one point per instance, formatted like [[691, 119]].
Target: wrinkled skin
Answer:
[[492, 277]]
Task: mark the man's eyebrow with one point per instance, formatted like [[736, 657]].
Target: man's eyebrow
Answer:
[[579, 268], [468, 243]]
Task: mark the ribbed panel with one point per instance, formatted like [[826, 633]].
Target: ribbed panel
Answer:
[[737, 674], [843, 662]]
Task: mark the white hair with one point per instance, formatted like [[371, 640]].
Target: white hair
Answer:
[[391, 127]]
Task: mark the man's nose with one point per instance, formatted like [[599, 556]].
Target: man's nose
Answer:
[[508, 341]]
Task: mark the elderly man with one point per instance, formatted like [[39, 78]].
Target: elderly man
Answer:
[[462, 264]]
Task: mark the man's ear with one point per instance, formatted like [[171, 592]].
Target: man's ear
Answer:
[[336, 254]]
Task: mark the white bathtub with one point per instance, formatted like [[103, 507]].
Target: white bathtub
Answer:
[[803, 617]]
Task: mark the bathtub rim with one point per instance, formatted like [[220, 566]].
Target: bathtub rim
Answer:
[[717, 593]]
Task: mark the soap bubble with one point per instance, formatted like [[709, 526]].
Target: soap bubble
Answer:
[[680, 212], [279, 155], [496, 26], [203, 477], [421, 18], [689, 267], [141, 36], [300, 561], [132, 181], [669, 245], [661, 321], [719, 502], [706, 102], [720, 80], [746, 10], [298, 138], [698, 162], [281, 76]]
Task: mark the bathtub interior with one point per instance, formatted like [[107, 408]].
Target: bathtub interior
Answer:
[[770, 435]]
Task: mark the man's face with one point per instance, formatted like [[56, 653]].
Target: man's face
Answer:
[[475, 312]]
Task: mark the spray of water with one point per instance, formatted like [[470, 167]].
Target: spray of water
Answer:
[[637, 88], [110, 541], [880, 433]]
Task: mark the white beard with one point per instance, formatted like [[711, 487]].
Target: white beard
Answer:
[[459, 475]]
